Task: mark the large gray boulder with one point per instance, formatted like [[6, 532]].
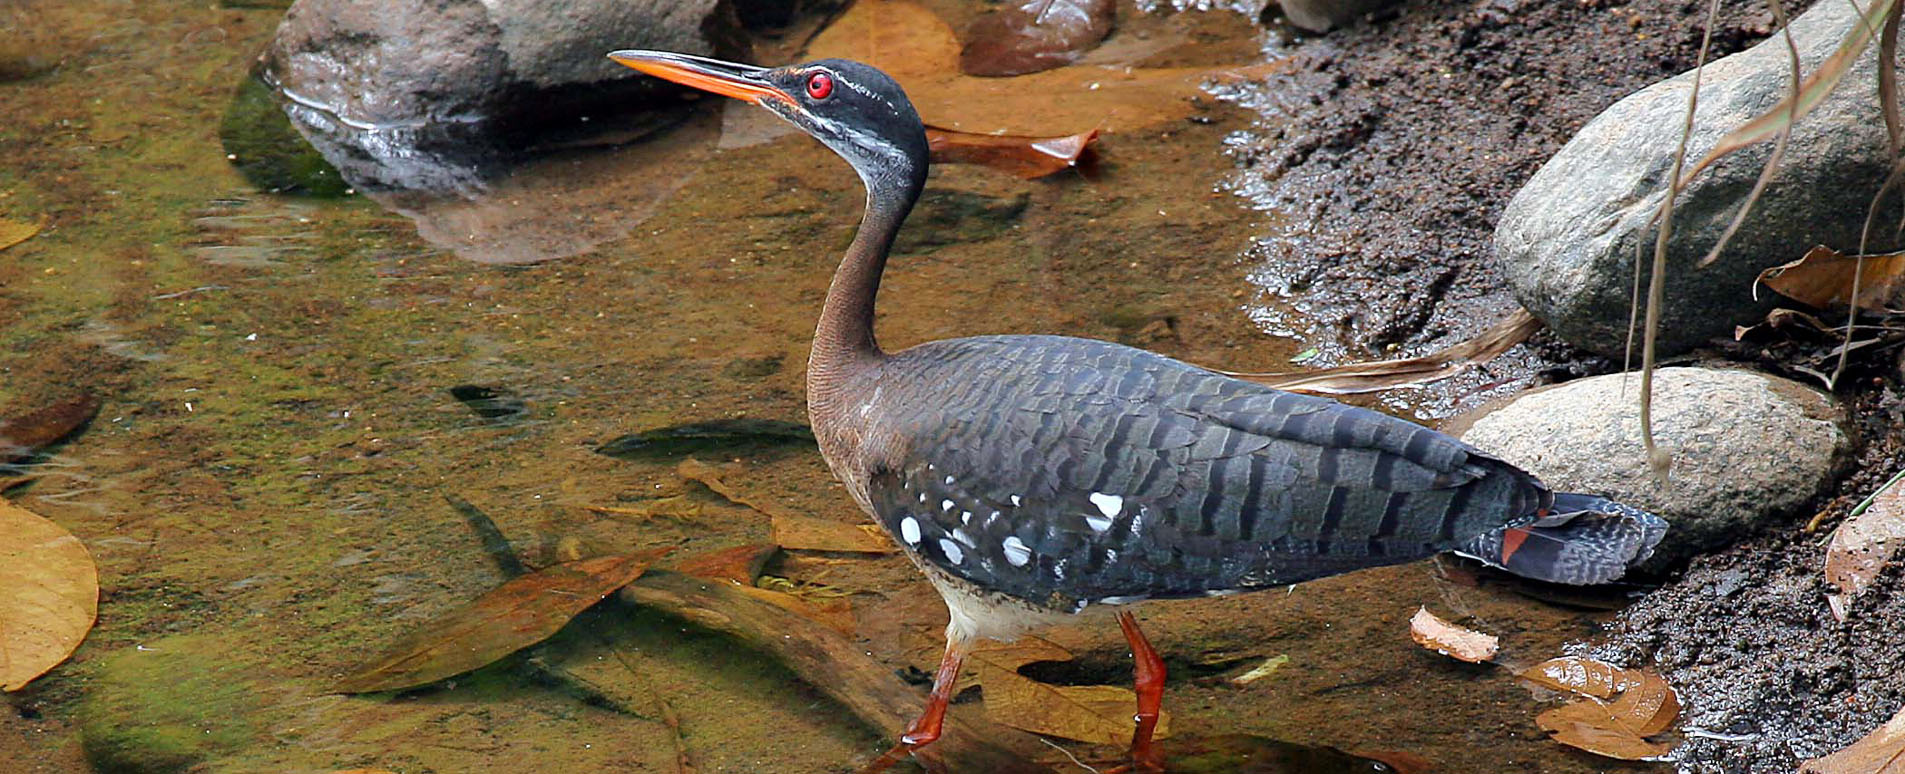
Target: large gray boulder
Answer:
[[1748, 448], [1568, 240], [417, 95]]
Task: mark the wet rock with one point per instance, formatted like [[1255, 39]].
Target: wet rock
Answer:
[[1567, 241], [449, 79], [1748, 448], [1326, 15], [168, 706]]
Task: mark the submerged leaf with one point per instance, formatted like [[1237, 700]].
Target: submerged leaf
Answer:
[[1880, 752], [1390, 374], [811, 534], [1025, 157], [919, 50], [710, 477], [741, 564], [1823, 278], [1620, 708], [1034, 35], [1101, 714], [51, 590], [22, 436], [13, 232], [1864, 543], [1451, 640], [513, 616], [1587, 725]]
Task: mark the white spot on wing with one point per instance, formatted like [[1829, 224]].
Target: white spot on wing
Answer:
[[1098, 524], [965, 517], [1108, 504], [1015, 500], [949, 479], [909, 531], [954, 553], [945, 505], [961, 536], [1016, 553]]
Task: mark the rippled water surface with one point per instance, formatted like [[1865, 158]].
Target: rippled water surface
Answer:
[[265, 489]]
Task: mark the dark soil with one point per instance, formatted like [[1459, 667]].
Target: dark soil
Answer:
[[1395, 145]]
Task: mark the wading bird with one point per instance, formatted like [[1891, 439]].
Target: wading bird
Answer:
[[1034, 477]]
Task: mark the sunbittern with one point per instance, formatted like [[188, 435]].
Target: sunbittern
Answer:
[[1033, 477]]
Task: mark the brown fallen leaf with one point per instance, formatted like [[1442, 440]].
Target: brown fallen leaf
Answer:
[[1823, 278], [710, 477], [51, 588], [741, 564], [805, 533], [1585, 676], [24, 435], [1451, 640], [1101, 714], [1390, 374], [1863, 544], [520, 613], [1587, 725], [1619, 709], [1880, 752], [918, 49], [13, 232], [1024, 157], [1033, 35]]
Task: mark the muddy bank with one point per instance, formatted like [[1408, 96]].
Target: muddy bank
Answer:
[[1395, 145]]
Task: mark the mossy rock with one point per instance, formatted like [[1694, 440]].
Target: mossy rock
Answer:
[[268, 151], [168, 706]]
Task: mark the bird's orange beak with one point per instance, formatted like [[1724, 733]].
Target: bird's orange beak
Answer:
[[742, 82]]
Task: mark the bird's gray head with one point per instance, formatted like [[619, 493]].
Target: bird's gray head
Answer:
[[856, 110]]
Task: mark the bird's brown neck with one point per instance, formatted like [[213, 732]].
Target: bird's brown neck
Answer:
[[844, 345]]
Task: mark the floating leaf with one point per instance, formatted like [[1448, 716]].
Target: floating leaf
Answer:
[[1880, 752], [741, 564], [1390, 374], [701, 436], [22, 436], [1864, 543], [916, 48], [513, 616], [1587, 725], [13, 232], [1034, 35], [1025, 157], [1647, 708], [1451, 640], [811, 534], [1823, 278], [51, 590]]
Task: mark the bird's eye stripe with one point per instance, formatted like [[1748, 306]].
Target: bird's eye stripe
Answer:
[[819, 85]]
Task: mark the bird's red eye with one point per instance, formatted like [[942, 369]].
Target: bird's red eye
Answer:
[[819, 85]]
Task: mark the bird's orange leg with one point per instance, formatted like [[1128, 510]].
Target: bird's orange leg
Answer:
[[1148, 679], [926, 729]]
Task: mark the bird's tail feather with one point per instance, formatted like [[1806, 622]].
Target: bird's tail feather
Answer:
[[1580, 540]]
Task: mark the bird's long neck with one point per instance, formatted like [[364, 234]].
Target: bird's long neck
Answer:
[[844, 344]]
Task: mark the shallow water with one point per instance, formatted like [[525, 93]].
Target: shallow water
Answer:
[[264, 489]]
